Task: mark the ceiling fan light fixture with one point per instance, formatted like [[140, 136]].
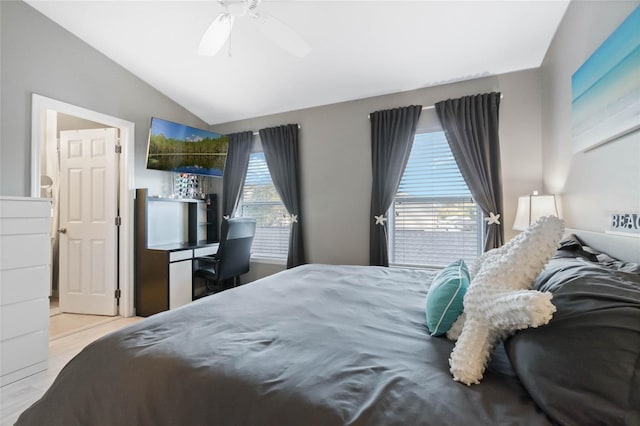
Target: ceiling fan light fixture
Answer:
[[277, 31], [236, 8], [216, 35]]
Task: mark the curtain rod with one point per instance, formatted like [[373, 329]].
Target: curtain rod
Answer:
[[257, 133], [433, 106]]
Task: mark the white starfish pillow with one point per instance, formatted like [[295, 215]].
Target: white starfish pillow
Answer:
[[499, 300]]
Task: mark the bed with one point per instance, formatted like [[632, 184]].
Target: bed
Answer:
[[348, 345]]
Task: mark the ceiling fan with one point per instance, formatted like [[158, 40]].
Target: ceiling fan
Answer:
[[277, 31]]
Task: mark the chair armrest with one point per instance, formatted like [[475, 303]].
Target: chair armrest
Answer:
[[213, 259]]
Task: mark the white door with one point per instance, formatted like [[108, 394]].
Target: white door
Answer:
[[87, 230]]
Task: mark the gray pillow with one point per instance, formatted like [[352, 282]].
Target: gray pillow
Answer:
[[583, 368], [571, 246]]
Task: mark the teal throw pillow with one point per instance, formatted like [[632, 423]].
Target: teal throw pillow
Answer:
[[444, 299]]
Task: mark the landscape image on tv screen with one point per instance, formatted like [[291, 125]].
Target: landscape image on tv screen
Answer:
[[183, 149]]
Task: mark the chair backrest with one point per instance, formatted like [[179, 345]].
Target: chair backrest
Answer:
[[234, 251]]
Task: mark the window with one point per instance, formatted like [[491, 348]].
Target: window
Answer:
[[261, 201], [433, 218]]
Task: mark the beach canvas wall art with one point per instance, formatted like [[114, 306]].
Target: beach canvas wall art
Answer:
[[605, 90]]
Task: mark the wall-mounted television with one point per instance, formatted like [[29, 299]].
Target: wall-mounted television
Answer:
[[179, 148]]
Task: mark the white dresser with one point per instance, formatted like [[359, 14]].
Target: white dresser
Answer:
[[25, 253]]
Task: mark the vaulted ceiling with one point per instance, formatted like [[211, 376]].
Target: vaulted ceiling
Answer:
[[358, 48]]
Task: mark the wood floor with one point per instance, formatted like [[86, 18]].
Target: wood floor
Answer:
[[65, 324], [17, 396]]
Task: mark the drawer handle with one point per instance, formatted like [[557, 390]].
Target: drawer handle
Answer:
[[62, 230]]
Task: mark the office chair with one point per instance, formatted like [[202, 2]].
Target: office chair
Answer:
[[233, 256]]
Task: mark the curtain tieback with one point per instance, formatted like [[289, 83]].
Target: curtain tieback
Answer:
[[293, 218], [493, 219], [226, 217], [380, 219]]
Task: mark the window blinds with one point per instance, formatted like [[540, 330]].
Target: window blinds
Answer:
[[261, 201], [433, 219]]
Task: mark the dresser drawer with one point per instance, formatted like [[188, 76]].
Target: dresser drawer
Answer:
[[19, 285], [20, 251], [25, 208], [23, 351], [24, 318], [35, 225]]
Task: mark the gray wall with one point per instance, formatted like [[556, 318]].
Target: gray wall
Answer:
[[606, 179], [38, 56], [336, 158]]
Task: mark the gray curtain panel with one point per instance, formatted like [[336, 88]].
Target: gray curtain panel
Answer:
[[280, 145], [235, 171], [471, 127], [392, 133]]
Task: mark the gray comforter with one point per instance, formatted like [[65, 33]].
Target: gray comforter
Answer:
[[315, 345]]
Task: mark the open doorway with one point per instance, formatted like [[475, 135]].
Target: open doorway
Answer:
[[52, 120]]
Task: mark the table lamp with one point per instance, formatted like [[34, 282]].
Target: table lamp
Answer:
[[532, 207]]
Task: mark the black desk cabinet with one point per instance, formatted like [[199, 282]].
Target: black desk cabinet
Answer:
[[164, 273]]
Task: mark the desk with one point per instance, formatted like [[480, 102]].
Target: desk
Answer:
[[164, 271], [164, 276]]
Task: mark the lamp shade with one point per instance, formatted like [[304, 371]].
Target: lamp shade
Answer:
[[533, 207]]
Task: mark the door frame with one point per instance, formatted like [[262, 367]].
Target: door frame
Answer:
[[39, 106]]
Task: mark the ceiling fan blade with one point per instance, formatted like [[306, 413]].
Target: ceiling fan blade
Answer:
[[216, 35], [282, 35]]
